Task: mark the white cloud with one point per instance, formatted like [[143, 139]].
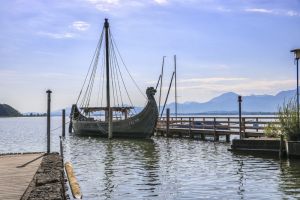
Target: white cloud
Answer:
[[211, 80], [292, 13], [161, 1], [259, 10], [80, 25], [190, 91], [244, 86], [105, 5], [65, 35]]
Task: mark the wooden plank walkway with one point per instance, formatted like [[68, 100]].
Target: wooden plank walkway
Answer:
[[14, 179]]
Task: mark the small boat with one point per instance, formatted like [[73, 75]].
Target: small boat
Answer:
[[139, 125]]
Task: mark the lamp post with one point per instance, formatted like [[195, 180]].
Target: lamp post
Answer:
[[297, 56]]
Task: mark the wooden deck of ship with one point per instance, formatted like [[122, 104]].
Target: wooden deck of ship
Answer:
[[16, 172]]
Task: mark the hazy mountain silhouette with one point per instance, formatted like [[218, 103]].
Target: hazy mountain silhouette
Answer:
[[227, 102]]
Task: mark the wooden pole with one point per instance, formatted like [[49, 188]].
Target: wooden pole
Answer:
[[61, 147], [216, 136], [48, 118], [281, 146], [168, 122], [190, 126], [175, 66], [63, 123], [161, 82], [240, 116], [106, 26]]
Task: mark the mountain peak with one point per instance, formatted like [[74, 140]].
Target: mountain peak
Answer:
[[225, 97]]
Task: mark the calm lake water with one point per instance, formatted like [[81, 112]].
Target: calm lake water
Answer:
[[158, 168]]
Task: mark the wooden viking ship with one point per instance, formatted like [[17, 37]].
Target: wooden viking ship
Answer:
[[116, 120]]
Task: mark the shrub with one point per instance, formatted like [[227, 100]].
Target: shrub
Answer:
[[288, 119], [272, 131]]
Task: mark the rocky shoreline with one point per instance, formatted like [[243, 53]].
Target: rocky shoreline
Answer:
[[49, 180]]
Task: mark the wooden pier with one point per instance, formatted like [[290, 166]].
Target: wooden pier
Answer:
[[200, 127], [16, 172]]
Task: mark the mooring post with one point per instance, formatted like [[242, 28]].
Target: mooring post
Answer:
[[190, 130], [216, 136], [240, 115], [61, 147], [168, 122], [190, 126], [281, 147], [63, 123], [48, 119]]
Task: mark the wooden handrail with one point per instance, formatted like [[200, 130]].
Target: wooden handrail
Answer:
[[249, 123]]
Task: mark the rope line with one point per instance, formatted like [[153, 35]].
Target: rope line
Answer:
[[126, 67], [59, 127], [99, 43]]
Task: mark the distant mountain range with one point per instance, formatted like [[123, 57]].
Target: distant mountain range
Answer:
[[227, 102]]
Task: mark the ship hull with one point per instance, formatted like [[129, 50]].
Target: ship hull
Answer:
[[141, 125]]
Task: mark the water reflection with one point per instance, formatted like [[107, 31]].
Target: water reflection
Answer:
[[241, 179], [117, 168], [290, 178], [108, 170], [162, 168]]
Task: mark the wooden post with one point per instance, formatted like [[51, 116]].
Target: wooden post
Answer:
[[281, 146], [244, 127], [216, 136], [227, 137], [257, 124], [168, 122], [202, 135], [228, 123], [240, 115], [63, 123], [190, 130], [126, 114], [48, 119], [61, 147], [190, 126]]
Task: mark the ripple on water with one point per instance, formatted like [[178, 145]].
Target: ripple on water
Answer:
[[159, 168]]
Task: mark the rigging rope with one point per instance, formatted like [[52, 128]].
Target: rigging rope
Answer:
[[126, 67], [87, 95], [114, 56], [117, 81], [103, 77], [167, 94], [99, 43]]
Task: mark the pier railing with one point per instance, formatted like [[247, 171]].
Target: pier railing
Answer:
[[249, 124]]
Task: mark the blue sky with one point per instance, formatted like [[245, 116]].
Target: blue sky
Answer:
[[222, 46]]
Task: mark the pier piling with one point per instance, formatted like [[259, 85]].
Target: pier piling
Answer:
[[63, 123], [240, 115], [168, 121], [48, 119]]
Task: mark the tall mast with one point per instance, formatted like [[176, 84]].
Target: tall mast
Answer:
[[175, 85], [106, 26], [161, 79]]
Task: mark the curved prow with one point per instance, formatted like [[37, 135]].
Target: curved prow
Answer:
[[150, 93]]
